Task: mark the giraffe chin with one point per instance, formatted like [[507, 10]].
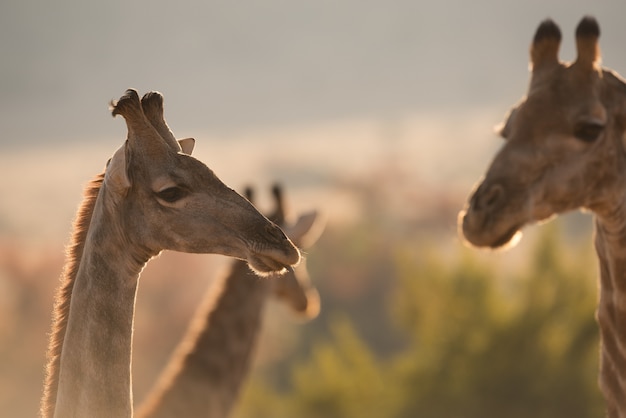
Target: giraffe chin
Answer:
[[478, 232], [504, 241], [509, 240], [265, 266]]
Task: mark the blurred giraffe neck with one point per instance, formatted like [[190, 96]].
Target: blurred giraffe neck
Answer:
[[205, 374], [611, 314]]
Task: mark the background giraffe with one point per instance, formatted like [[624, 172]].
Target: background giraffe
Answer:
[[566, 149]]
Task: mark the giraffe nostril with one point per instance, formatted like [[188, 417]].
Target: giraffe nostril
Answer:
[[490, 197]]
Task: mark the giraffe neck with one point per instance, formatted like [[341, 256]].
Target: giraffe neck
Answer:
[[208, 369], [94, 378], [64, 294], [611, 314]]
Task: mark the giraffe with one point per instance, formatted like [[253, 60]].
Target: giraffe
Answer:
[[566, 149], [206, 373], [152, 196]]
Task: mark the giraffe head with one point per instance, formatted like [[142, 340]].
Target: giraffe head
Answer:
[[170, 200], [294, 287], [564, 143]]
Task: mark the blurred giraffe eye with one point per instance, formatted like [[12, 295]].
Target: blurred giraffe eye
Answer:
[[588, 132], [172, 194]]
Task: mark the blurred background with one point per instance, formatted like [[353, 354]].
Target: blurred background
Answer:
[[379, 114]]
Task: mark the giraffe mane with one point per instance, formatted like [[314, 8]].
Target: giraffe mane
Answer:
[[63, 297]]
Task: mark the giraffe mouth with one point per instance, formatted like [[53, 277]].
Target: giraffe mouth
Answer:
[[265, 265], [480, 232], [274, 253], [509, 239]]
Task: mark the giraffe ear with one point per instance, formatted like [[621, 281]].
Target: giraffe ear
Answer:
[[116, 173], [307, 229], [187, 144]]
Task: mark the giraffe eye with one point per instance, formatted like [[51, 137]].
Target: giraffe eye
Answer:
[[588, 132], [172, 194]]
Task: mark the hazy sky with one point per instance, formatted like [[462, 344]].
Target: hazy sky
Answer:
[[228, 66]]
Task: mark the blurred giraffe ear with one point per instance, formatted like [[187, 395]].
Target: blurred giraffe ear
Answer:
[[187, 144], [306, 230], [116, 172]]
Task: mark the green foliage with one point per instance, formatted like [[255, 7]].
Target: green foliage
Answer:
[[341, 378], [486, 346], [481, 343]]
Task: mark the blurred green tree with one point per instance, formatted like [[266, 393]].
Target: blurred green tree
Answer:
[[480, 343], [341, 378], [489, 346]]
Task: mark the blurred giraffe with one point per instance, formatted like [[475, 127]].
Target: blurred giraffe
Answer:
[[207, 371], [566, 149]]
